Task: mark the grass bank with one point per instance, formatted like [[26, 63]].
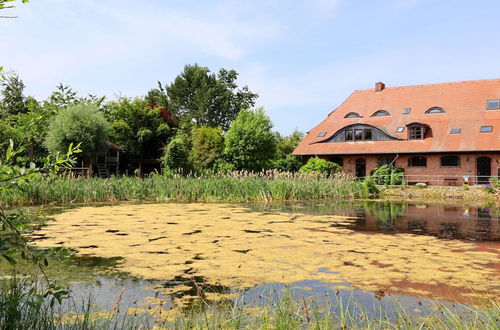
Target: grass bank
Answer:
[[240, 187]]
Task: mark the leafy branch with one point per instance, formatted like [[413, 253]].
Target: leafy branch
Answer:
[[13, 241]]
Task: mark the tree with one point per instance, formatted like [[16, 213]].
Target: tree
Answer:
[[285, 145], [206, 98], [13, 100], [158, 96], [250, 144], [208, 144], [137, 127], [78, 124], [176, 156]]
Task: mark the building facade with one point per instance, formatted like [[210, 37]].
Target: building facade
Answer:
[[440, 134]]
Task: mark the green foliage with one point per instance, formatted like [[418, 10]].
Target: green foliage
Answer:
[[208, 144], [285, 145], [158, 96], [78, 124], [235, 187], [386, 175], [13, 100], [14, 243], [63, 97], [250, 144], [176, 156], [137, 127], [289, 163], [495, 182], [320, 166], [206, 98]]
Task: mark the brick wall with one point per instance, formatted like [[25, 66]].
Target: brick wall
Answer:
[[448, 175]]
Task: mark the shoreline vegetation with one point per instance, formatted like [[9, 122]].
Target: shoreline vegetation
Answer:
[[241, 186], [236, 187], [274, 310]]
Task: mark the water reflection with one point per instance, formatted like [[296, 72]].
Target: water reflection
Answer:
[[443, 221]]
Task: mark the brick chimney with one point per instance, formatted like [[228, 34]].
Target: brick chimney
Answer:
[[379, 86]]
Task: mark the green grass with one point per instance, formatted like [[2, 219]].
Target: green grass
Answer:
[[241, 187]]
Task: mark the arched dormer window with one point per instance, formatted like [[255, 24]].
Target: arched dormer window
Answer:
[[417, 131], [352, 115], [381, 113], [435, 110]]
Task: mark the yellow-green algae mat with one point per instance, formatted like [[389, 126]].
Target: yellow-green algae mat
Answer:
[[238, 248]]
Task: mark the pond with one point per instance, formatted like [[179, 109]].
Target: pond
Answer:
[[177, 254]]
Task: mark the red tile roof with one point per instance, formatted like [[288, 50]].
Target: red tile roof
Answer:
[[464, 103]]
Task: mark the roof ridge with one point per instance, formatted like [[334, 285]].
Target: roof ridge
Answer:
[[434, 84]]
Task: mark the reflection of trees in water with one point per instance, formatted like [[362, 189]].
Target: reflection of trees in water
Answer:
[[386, 213], [198, 291]]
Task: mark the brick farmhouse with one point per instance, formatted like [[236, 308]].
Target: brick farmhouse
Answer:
[[441, 134]]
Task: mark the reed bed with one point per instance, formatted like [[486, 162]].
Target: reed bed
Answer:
[[234, 187]]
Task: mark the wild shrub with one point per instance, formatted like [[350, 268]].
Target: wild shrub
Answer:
[[320, 166]]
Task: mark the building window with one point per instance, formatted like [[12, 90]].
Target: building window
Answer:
[[321, 134], [385, 161], [381, 113], [348, 135], [455, 131], [416, 133], [493, 104], [400, 130], [486, 129], [406, 111], [352, 115], [417, 161], [435, 110], [367, 134], [450, 161], [337, 161], [358, 134]]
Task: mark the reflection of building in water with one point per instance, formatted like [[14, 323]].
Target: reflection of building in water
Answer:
[[483, 225], [439, 220]]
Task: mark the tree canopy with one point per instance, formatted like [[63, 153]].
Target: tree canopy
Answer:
[[250, 144], [207, 98], [137, 127], [78, 124], [13, 100]]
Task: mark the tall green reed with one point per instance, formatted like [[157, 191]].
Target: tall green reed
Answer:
[[235, 187]]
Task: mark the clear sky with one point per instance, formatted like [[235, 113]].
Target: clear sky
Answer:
[[303, 57]]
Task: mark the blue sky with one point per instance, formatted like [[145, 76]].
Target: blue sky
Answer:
[[303, 57]]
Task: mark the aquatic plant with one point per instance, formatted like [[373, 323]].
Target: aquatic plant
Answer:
[[239, 186]]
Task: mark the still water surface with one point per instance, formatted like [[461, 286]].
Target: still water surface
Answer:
[[178, 253]]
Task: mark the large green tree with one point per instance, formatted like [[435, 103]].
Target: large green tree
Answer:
[[78, 124], [207, 98], [250, 144], [137, 127]]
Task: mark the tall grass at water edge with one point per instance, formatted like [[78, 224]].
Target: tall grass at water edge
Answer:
[[236, 187], [19, 311]]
